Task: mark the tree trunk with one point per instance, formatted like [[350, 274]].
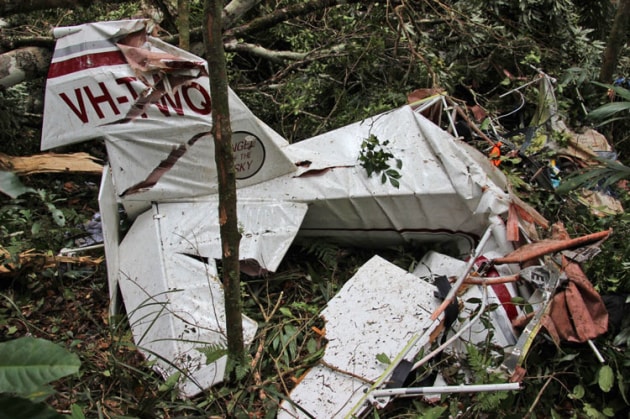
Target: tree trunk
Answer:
[[183, 23], [615, 43], [222, 132]]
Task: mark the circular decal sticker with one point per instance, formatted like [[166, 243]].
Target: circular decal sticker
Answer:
[[249, 154]]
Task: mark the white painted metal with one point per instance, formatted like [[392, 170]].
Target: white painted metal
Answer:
[[163, 151], [170, 286], [110, 223], [378, 311]]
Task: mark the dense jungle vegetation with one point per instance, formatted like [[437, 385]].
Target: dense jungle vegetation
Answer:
[[306, 67]]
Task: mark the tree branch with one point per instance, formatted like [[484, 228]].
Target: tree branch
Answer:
[[286, 13], [10, 7], [271, 55], [23, 64], [235, 9]]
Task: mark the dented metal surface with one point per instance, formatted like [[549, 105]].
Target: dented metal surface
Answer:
[[171, 289], [151, 104], [447, 189]]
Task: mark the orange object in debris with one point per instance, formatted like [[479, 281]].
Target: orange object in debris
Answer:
[[495, 153], [578, 312], [544, 247]]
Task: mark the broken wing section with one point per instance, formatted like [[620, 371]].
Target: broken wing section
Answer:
[[169, 283]]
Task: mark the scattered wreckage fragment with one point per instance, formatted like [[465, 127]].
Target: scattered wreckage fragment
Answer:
[[347, 385], [175, 302], [577, 151], [150, 103]]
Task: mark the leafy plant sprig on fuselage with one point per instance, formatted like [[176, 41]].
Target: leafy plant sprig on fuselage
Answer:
[[374, 158]]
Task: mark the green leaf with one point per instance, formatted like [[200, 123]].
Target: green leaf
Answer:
[[578, 392], [18, 408], [567, 357], [608, 110], [393, 173], [213, 352], [27, 364], [622, 387], [623, 338], [170, 382], [311, 346], [434, 412], [11, 185], [619, 91], [591, 412], [242, 369], [606, 378], [383, 358], [77, 412], [36, 228], [312, 357], [286, 312], [515, 300]]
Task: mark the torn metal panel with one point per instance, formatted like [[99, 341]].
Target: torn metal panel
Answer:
[[169, 283], [155, 118], [173, 312], [379, 310], [190, 228]]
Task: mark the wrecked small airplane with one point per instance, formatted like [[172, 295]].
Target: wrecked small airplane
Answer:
[[150, 103]]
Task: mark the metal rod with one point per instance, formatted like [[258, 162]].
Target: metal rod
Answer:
[[81, 249], [455, 288], [596, 351], [473, 388], [461, 330]]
